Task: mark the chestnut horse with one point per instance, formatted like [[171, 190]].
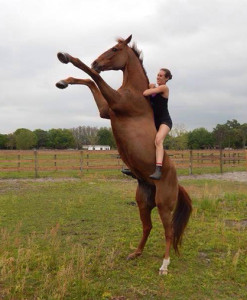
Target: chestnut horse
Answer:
[[134, 130]]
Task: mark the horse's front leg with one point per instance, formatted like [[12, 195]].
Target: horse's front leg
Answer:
[[110, 95], [101, 103]]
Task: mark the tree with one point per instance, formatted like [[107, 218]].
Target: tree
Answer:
[[234, 124], [25, 139], [3, 141], [243, 134], [220, 134], [11, 144], [42, 138], [84, 135], [234, 135], [200, 138], [60, 139], [105, 137], [229, 134], [177, 138]]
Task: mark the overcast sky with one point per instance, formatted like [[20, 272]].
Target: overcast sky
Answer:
[[202, 42]]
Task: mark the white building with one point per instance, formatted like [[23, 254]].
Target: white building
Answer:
[[96, 147]]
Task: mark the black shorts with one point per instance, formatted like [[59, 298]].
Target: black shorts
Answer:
[[167, 121]]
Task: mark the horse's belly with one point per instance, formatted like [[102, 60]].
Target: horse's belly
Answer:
[[135, 142]]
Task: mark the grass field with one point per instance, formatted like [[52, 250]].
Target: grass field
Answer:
[[69, 239], [108, 173]]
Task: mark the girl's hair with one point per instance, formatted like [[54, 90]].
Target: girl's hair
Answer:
[[168, 73]]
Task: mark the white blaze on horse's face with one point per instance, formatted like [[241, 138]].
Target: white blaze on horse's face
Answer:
[[114, 58]]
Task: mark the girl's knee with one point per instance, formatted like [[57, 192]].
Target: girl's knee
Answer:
[[158, 142]]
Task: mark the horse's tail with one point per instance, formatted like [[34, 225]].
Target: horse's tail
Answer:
[[181, 217]]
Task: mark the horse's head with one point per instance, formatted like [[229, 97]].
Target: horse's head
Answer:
[[113, 59]]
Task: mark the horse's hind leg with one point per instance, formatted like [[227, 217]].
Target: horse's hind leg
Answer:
[[165, 200], [145, 201], [101, 103]]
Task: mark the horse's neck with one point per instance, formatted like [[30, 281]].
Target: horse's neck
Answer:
[[134, 75]]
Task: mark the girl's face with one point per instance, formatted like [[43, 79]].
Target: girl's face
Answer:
[[161, 79]]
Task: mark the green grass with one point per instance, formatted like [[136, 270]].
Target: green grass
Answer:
[[70, 239], [107, 173]]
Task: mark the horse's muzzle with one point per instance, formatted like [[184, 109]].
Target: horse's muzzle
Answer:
[[96, 67]]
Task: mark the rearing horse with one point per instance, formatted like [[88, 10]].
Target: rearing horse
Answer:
[[134, 130]]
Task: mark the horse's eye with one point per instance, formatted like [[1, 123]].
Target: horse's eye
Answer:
[[114, 49]]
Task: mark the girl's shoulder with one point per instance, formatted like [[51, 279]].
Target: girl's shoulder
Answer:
[[163, 89]]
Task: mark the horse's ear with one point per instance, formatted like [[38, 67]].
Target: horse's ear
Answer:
[[128, 40]]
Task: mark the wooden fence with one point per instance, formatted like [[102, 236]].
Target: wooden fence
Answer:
[[39, 161]]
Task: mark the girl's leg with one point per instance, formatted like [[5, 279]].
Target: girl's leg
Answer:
[[159, 139]]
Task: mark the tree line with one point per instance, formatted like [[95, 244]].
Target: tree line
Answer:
[[75, 138], [232, 134]]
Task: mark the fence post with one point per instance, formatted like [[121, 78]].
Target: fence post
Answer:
[[81, 161], [87, 161], [246, 159], [36, 163], [55, 161], [191, 163], [19, 162], [221, 161]]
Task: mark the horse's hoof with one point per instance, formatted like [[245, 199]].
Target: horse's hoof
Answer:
[[163, 272], [63, 57], [130, 257], [61, 84], [164, 268], [133, 255]]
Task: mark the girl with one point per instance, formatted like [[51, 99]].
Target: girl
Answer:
[[159, 100]]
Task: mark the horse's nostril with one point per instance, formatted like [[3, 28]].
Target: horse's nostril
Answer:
[[96, 67], [94, 64]]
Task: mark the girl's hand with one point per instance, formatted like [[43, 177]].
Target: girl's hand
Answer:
[[152, 85]]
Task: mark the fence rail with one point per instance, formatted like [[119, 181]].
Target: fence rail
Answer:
[[38, 161]]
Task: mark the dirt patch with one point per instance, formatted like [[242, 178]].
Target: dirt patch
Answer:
[[228, 176], [204, 257], [239, 224], [49, 179]]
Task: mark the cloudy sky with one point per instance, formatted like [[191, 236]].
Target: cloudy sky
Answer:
[[203, 43]]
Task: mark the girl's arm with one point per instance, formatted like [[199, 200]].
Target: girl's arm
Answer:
[[162, 89]]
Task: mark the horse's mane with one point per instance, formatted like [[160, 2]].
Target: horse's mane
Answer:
[[137, 52]]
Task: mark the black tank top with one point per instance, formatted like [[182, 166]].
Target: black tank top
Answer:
[[160, 109]]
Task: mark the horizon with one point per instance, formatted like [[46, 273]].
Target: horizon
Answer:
[[175, 126]]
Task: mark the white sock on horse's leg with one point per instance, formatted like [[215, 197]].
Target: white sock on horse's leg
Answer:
[[164, 268]]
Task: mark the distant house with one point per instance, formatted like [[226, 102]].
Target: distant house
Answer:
[[96, 147]]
